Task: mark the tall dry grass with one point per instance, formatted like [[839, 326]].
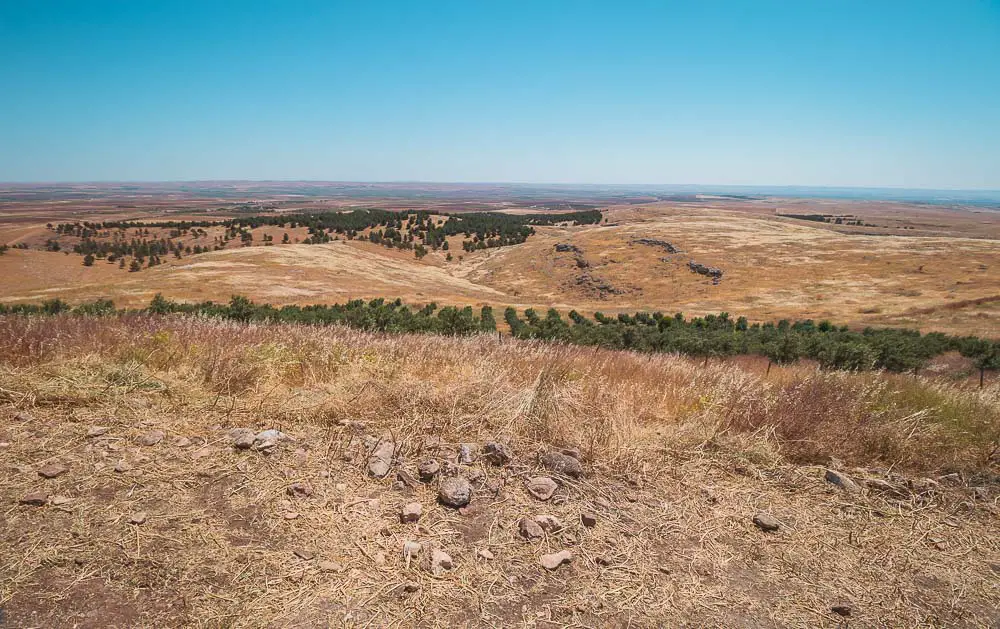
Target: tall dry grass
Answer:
[[620, 408]]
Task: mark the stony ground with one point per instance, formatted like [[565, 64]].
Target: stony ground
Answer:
[[138, 495]]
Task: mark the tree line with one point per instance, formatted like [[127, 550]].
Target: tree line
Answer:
[[783, 342]]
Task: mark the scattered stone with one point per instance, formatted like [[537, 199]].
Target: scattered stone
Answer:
[[766, 522], [410, 550], [182, 442], [411, 513], [411, 587], [467, 453], [842, 481], [60, 500], [844, 610], [542, 487], [97, 431], [549, 523], [201, 453], [330, 566], [52, 470], [554, 560], [291, 515], [271, 434], [497, 453], [588, 519], [484, 553], [137, 518], [299, 489], [603, 560], [455, 492], [152, 438], [380, 459], [441, 561], [242, 438], [406, 478], [122, 466], [530, 529], [428, 470], [35, 499], [562, 464], [305, 555]]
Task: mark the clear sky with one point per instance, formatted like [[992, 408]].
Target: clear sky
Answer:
[[808, 92]]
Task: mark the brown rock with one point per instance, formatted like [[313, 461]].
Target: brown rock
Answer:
[[96, 431], [411, 513], [455, 492], [381, 459], [485, 553], [497, 453], [52, 470], [549, 523], [428, 470], [542, 487], [766, 522], [554, 560], [139, 517], [299, 490], [330, 566], [152, 438], [843, 609], [23, 416], [242, 438], [305, 555], [561, 464], [35, 499], [441, 561], [588, 519], [841, 480], [529, 529]]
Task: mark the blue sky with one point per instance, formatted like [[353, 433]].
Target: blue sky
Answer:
[[840, 93]]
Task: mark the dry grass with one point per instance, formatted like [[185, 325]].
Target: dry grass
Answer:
[[679, 456]]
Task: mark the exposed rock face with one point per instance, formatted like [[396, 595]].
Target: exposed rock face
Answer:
[[701, 269], [455, 492], [668, 247]]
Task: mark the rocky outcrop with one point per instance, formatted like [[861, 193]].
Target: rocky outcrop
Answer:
[[710, 271], [668, 247]]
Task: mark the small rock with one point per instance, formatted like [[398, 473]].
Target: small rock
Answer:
[[52, 470], [330, 566], [554, 560], [122, 466], [573, 452], [305, 555], [410, 550], [139, 517], [561, 464], [23, 417], [455, 492], [766, 522], [299, 489], [35, 499], [411, 513], [843, 609], [96, 431], [529, 529], [181, 442], [411, 587], [980, 493], [467, 453], [380, 459], [603, 560], [428, 470], [152, 438], [271, 434], [291, 515], [842, 481], [242, 438], [549, 523], [542, 487], [497, 453], [440, 561], [379, 558], [588, 519], [484, 553], [407, 479], [60, 500]]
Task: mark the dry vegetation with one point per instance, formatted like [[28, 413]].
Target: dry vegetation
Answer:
[[678, 457]]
